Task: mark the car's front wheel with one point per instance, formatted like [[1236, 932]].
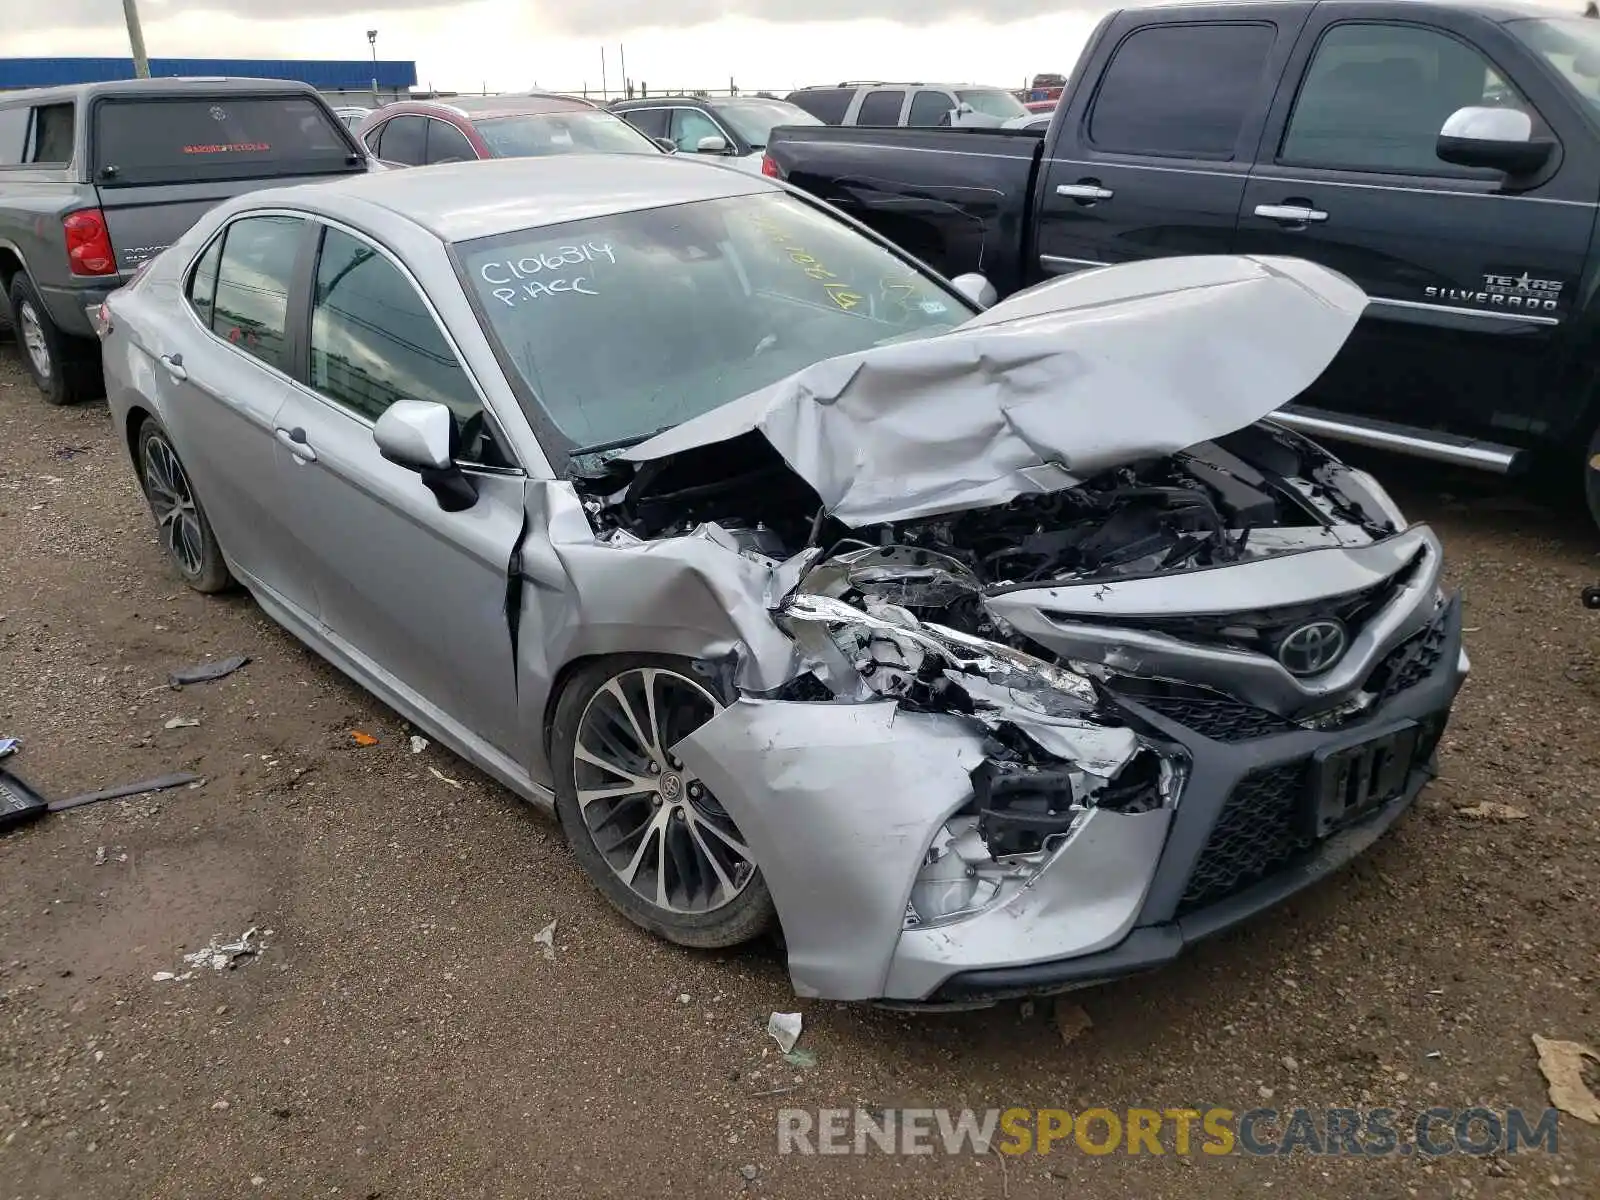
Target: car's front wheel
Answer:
[[181, 523], [649, 834]]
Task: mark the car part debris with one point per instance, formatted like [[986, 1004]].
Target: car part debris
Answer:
[[1563, 1065], [1490, 811], [784, 1028], [443, 778], [801, 1057], [9, 746], [19, 803], [182, 722], [222, 956], [546, 940], [161, 784], [363, 739], [207, 671], [418, 744]]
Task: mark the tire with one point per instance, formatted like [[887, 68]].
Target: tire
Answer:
[[185, 531], [709, 905], [1591, 475], [65, 369]]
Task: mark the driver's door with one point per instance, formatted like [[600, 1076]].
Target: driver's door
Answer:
[[1470, 280], [415, 595]]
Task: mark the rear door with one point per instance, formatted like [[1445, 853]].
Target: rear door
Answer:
[[159, 162], [1154, 151], [1471, 278], [880, 106]]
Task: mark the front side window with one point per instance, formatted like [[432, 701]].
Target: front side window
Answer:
[[930, 109], [1375, 97], [252, 294], [586, 131], [992, 103], [689, 125], [880, 108], [1181, 91], [373, 340], [621, 325], [447, 144]]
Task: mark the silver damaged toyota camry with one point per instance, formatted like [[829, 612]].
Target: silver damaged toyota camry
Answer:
[[981, 650]]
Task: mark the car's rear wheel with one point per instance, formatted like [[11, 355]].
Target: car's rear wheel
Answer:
[[181, 522], [65, 369], [648, 833]]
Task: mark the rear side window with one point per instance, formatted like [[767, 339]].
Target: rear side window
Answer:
[[203, 282], [51, 138], [405, 140], [651, 122], [216, 137], [252, 303], [880, 108], [825, 104], [929, 109], [1181, 91]]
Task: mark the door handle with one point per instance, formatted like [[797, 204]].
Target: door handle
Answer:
[[1291, 214], [295, 441], [1088, 189], [174, 365]]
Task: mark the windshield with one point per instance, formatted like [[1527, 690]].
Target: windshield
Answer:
[[753, 120], [627, 324], [587, 132], [1571, 46], [993, 104]]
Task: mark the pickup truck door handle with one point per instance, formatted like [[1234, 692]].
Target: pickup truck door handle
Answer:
[[295, 440], [1087, 189], [1291, 214], [174, 365]]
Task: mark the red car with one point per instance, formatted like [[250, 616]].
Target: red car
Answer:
[[414, 133], [1041, 106]]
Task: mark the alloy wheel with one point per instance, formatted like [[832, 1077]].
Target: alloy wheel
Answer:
[[33, 339], [657, 826], [172, 501]]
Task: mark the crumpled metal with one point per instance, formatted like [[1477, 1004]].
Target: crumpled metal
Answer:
[[1047, 388]]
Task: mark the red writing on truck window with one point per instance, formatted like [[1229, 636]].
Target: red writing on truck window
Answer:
[[229, 148]]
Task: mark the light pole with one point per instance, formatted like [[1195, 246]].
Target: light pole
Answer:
[[141, 64], [372, 40]]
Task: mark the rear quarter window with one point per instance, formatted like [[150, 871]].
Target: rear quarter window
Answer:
[[219, 137], [825, 104]]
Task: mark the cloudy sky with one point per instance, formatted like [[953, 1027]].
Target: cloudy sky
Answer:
[[512, 44]]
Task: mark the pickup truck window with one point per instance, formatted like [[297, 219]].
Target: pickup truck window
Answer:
[[50, 140], [215, 137], [880, 108], [1571, 47], [1181, 91], [1376, 96]]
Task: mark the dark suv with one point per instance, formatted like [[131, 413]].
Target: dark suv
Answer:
[[97, 179]]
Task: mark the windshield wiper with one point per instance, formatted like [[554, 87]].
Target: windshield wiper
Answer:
[[617, 444]]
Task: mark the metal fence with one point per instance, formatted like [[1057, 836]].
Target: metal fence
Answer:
[[604, 95]]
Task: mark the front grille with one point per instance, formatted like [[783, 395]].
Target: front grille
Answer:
[[1260, 831], [1409, 663], [1210, 714]]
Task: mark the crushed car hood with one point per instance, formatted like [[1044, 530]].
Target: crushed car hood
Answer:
[[1046, 388]]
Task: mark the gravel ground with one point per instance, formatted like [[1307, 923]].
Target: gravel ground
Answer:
[[400, 1035]]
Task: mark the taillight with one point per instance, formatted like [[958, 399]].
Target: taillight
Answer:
[[770, 168], [88, 244]]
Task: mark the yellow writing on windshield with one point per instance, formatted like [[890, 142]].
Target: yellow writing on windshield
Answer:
[[840, 292]]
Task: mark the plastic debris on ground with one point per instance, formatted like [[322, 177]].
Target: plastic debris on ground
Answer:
[[183, 722], [1490, 811], [8, 746], [443, 778], [801, 1057], [207, 671], [362, 739], [1563, 1065], [546, 939], [418, 744], [784, 1028], [218, 955]]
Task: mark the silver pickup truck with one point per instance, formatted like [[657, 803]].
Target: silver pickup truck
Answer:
[[97, 179]]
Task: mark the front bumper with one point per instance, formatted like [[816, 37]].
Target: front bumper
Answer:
[[840, 801]]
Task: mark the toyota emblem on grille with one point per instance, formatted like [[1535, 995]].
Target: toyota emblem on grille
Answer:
[[1313, 647]]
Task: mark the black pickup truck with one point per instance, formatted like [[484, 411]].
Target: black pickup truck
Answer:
[[1445, 157]]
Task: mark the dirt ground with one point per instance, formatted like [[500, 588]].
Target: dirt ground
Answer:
[[401, 1035]]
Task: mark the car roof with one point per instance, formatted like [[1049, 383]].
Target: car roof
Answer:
[[174, 86], [460, 201], [476, 107], [1498, 11]]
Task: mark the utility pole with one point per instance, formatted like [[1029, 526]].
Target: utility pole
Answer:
[[372, 40], [627, 88], [602, 73], [141, 63]]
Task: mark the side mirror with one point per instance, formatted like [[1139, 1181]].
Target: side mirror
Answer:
[[977, 289], [667, 144], [1500, 139], [711, 145], [422, 436]]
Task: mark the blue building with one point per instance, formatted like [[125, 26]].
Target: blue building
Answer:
[[333, 77]]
